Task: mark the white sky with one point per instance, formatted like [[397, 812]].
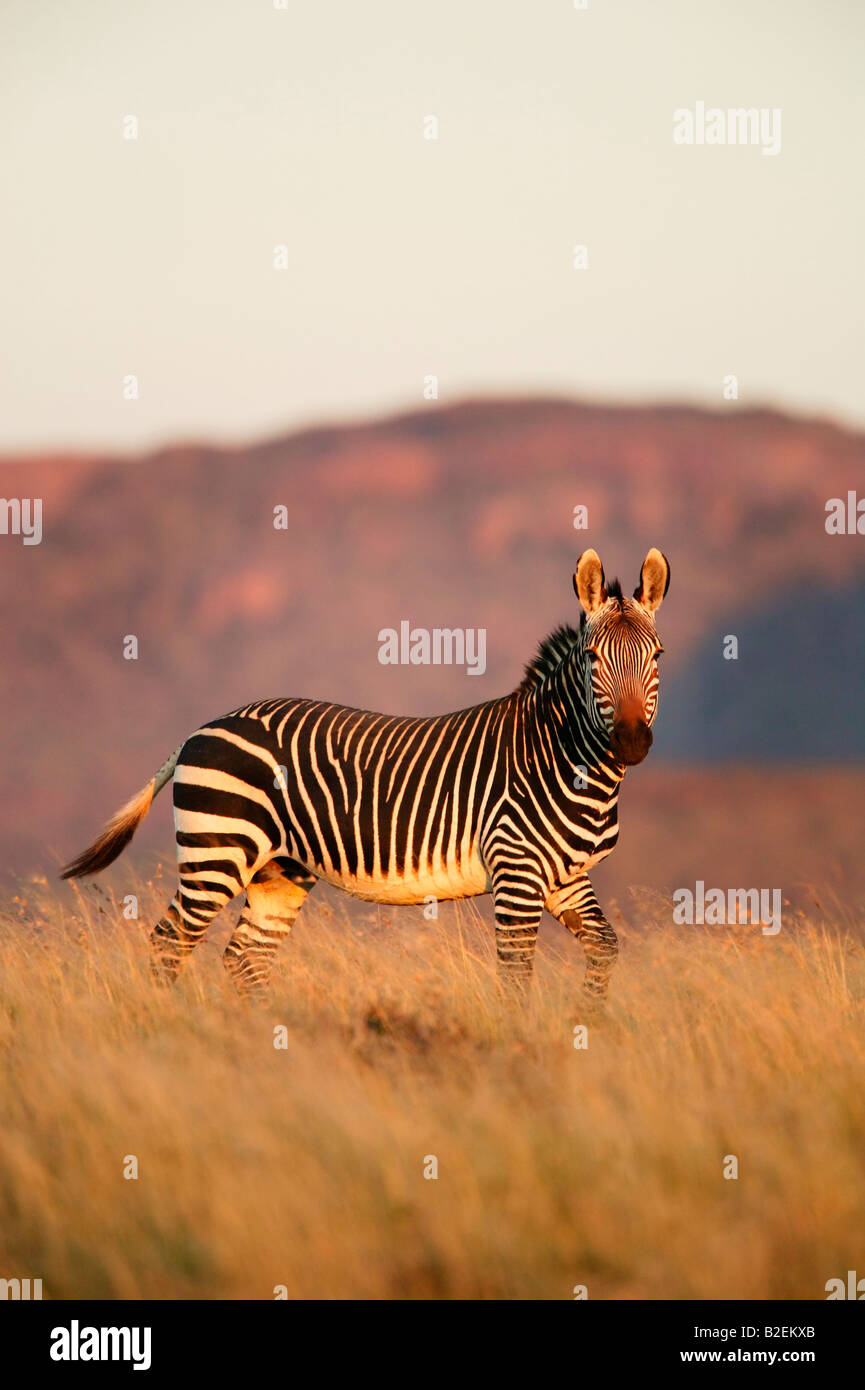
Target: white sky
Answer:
[[407, 256]]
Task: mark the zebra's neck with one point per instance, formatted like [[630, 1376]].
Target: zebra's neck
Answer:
[[565, 736]]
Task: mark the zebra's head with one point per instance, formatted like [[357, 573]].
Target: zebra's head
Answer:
[[622, 650]]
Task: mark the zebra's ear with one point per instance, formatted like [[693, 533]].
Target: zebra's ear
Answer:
[[654, 580], [589, 583]]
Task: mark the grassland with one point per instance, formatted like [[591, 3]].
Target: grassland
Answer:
[[303, 1166]]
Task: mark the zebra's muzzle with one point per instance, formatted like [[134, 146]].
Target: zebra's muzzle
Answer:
[[630, 740]]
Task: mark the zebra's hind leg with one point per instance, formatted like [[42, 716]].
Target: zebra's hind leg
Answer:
[[274, 898], [577, 908], [192, 909]]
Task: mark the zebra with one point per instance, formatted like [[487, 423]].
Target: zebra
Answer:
[[517, 797]]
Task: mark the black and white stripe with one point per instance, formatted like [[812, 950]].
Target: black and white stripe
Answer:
[[518, 796]]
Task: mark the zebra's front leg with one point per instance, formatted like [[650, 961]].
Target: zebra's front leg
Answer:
[[577, 908], [274, 898], [518, 903]]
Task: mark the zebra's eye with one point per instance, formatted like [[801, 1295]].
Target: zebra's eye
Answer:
[[591, 653], [659, 652]]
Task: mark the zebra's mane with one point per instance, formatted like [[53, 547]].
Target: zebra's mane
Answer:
[[550, 655]]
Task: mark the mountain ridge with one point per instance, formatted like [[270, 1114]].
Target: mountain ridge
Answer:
[[449, 516]]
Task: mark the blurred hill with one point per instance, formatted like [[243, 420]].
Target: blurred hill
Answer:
[[450, 517]]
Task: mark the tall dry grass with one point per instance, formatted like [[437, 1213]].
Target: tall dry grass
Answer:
[[304, 1167]]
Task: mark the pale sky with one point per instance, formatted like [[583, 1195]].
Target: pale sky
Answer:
[[409, 257]]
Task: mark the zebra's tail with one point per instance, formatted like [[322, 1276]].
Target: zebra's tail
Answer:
[[116, 835]]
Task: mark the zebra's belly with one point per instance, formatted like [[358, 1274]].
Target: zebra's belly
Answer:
[[443, 882]]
